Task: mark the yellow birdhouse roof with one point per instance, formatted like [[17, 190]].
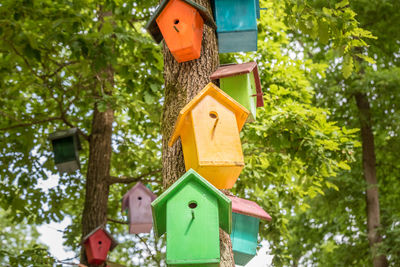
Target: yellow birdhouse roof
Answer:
[[241, 113]]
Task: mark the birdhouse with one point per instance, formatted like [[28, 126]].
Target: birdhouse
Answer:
[[242, 83], [246, 217], [97, 244], [191, 211], [66, 146], [209, 127], [180, 23], [138, 203], [236, 24]]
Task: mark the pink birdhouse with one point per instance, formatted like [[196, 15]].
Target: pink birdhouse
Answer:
[[138, 202], [97, 244]]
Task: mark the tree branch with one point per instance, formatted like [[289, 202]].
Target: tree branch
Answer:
[[30, 123], [128, 180], [148, 249], [116, 221]]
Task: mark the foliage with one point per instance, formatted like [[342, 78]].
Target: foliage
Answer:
[[52, 57]]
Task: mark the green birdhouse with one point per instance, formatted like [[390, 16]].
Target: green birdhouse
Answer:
[[66, 146], [245, 224], [242, 83], [191, 212]]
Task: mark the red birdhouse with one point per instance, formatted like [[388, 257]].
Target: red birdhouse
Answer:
[[97, 244], [180, 23], [138, 202]]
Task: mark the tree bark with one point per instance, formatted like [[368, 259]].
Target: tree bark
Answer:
[[369, 163], [182, 82]]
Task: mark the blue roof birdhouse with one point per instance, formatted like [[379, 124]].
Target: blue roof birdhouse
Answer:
[[246, 217], [236, 24], [191, 212]]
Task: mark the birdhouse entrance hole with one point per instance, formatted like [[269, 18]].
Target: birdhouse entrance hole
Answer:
[[192, 204], [213, 114], [99, 242], [140, 198], [176, 21]]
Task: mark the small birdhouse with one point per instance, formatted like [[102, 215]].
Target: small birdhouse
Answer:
[[191, 211], [180, 23], [242, 83], [236, 24], [209, 127], [66, 146], [97, 244], [246, 217], [138, 203]]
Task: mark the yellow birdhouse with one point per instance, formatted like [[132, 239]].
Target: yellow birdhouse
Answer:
[[209, 127]]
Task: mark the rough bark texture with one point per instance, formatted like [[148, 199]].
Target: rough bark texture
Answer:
[[182, 82], [369, 162]]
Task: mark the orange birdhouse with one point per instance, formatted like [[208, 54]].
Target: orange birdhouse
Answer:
[[209, 127], [180, 23]]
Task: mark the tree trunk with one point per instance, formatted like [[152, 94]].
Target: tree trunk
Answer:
[[182, 82], [369, 162]]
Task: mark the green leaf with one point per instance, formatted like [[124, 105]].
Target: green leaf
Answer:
[[323, 32], [342, 4], [347, 66]]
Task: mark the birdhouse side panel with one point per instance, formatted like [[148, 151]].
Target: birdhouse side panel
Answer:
[[193, 227], [189, 145], [182, 28], [241, 89], [237, 15], [140, 207], [216, 134], [243, 41], [244, 233]]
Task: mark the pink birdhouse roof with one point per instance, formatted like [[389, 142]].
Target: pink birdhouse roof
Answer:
[[138, 186], [229, 70], [249, 208]]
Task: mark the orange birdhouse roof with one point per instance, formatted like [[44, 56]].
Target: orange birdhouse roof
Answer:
[[241, 113]]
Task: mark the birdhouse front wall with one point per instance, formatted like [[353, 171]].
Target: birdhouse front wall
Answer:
[[97, 247], [192, 227], [242, 88], [217, 140], [66, 155], [182, 28], [236, 25], [244, 237], [140, 216]]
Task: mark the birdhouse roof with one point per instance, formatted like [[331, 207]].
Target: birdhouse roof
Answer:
[[64, 134], [138, 186], [249, 208], [114, 242], [159, 205], [154, 30], [229, 70], [241, 113]]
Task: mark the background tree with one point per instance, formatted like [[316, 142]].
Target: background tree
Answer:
[[91, 65]]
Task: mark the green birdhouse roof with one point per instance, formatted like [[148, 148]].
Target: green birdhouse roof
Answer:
[[160, 209], [155, 32]]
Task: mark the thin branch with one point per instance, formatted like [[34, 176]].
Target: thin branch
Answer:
[[30, 123], [128, 180], [148, 249], [116, 221], [64, 119]]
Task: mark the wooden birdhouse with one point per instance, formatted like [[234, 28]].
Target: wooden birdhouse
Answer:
[[209, 127], [191, 211], [236, 24], [138, 203], [180, 23], [246, 217], [97, 244], [66, 146], [242, 83]]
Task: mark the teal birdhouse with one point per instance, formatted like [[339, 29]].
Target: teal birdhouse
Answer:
[[66, 146], [191, 212], [246, 217], [236, 24], [242, 83]]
